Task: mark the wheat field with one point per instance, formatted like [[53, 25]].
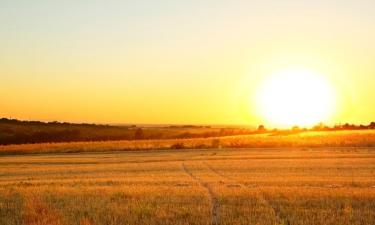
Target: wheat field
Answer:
[[212, 186], [333, 139]]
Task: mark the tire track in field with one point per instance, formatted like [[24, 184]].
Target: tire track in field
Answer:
[[211, 196], [262, 198]]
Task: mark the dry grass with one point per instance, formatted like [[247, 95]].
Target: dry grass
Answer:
[[362, 138], [249, 186], [39, 213]]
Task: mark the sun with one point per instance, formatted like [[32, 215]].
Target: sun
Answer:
[[295, 96]]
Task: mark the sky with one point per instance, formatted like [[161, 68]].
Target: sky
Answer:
[[178, 62]]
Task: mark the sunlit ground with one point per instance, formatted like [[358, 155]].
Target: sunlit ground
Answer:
[[259, 186]]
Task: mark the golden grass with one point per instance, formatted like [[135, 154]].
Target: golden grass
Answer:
[[360, 138], [39, 213], [218, 186]]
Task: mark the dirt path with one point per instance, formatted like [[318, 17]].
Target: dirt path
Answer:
[[262, 198], [212, 198]]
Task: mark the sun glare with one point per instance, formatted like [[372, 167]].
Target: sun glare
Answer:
[[295, 97]]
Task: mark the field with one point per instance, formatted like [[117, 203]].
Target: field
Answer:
[[211, 186], [358, 138]]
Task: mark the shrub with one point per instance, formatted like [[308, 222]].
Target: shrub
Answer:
[[178, 146]]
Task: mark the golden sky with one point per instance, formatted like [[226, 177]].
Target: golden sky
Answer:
[[178, 61]]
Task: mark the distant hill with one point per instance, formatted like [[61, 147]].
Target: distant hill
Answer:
[[14, 131], [19, 132]]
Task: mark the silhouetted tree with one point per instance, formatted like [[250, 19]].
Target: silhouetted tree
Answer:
[[138, 134], [261, 128], [296, 128], [216, 143]]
